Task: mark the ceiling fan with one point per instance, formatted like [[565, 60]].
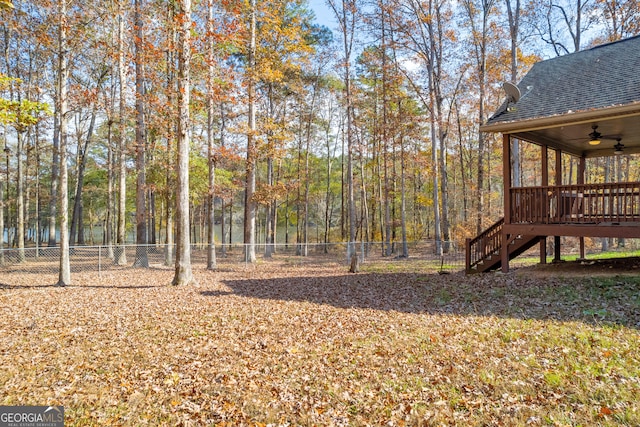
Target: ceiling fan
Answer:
[[596, 137], [619, 147]]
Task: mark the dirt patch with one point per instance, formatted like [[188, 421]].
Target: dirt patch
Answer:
[[629, 266]]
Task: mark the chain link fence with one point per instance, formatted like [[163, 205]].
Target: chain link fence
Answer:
[[45, 260]]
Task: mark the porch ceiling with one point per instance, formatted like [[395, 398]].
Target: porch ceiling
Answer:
[[574, 137]]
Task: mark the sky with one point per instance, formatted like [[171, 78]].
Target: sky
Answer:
[[324, 14]]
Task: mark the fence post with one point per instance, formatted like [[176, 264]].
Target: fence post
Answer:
[[100, 261]]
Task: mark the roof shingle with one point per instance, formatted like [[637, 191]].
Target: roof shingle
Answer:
[[601, 77]]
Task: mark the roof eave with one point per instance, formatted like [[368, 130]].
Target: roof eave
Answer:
[[579, 117]]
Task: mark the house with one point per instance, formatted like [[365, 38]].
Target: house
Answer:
[[578, 106]]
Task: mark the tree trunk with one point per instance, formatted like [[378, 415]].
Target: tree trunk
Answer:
[[108, 224], [211, 249], [307, 185], [270, 226], [55, 172], [183, 273], [345, 14], [151, 217], [121, 256], [249, 203], [513, 14], [328, 203], [434, 161], [20, 196], [38, 225], [463, 168], [444, 189], [141, 259], [64, 272], [169, 238], [403, 204], [76, 218], [269, 223], [223, 221]]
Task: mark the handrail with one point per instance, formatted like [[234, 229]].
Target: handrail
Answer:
[[484, 245], [581, 203]]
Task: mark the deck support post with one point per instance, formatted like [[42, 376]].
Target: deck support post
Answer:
[[581, 175], [556, 239], [545, 182], [506, 170]]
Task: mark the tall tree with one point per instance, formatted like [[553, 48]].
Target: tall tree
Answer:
[[82, 156], [479, 13], [141, 136], [345, 12], [250, 206], [121, 255], [211, 107], [514, 14], [64, 272], [183, 273], [170, 133], [428, 37]]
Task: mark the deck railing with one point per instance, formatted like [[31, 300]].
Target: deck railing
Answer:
[[570, 204], [484, 245]]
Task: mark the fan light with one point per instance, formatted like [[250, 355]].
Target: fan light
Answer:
[[594, 137], [617, 149]]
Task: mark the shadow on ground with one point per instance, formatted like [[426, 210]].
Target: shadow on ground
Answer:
[[608, 300]]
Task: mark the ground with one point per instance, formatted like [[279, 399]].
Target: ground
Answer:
[[628, 266], [281, 344]]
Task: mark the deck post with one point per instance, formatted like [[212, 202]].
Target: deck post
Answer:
[[506, 168], [581, 175], [556, 239], [545, 182], [467, 256]]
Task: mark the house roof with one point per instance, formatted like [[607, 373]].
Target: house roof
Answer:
[[571, 93]]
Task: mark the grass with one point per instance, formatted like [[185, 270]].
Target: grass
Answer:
[[620, 253], [316, 346]]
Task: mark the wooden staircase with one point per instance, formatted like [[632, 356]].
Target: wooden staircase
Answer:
[[483, 251]]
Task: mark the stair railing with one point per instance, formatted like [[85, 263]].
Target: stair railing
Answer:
[[483, 246]]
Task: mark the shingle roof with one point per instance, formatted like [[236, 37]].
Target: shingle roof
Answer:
[[598, 78]]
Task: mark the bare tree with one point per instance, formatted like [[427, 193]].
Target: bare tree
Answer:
[[564, 23]]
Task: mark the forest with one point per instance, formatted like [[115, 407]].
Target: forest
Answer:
[[266, 122]]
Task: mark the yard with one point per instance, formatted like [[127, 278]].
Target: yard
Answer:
[[284, 344]]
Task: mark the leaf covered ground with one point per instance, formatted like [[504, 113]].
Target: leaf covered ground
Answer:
[[313, 345]]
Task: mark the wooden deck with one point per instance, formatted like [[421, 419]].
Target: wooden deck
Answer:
[[584, 210]]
